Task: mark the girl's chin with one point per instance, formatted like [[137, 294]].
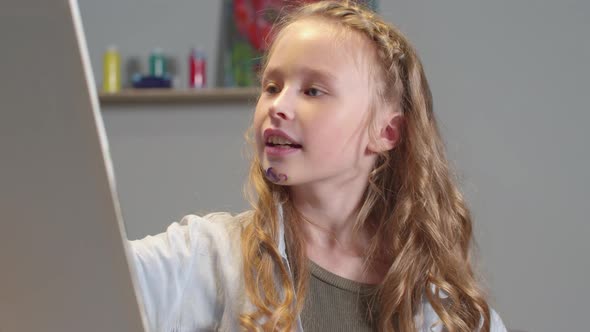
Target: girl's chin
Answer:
[[275, 175]]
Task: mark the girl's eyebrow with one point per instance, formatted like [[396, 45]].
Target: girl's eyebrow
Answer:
[[314, 73]]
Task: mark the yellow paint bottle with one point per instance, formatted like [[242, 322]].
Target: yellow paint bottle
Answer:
[[111, 70]]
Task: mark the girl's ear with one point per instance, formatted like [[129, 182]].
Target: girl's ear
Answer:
[[389, 132]]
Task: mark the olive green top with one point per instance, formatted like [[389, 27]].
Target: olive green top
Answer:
[[334, 303]]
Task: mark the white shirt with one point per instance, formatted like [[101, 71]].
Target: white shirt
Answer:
[[190, 277]]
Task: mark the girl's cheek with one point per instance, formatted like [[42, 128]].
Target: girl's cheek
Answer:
[[258, 118]]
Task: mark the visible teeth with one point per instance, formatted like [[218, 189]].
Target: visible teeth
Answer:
[[278, 140]]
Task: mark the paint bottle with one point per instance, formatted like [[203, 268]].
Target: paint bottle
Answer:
[[197, 64], [157, 63], [111, 81]]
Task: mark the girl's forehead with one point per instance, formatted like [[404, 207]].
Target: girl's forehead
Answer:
[[316, 39]]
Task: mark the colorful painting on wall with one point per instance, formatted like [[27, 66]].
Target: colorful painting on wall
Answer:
[[245, 26]]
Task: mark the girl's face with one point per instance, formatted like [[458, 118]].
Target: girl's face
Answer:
[[311, 119]]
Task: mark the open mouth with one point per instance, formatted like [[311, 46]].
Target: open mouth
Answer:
[[284, 146], [281, 142]]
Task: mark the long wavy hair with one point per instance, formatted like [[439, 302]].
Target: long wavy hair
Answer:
[[422, 228]]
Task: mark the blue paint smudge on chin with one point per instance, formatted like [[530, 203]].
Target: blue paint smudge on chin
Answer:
[[275, 177]]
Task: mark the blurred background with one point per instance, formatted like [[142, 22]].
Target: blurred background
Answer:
[[510, 86]]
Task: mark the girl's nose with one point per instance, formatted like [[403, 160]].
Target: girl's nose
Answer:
[[274, 113], [282, 105]]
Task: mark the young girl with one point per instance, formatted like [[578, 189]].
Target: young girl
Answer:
[[357, 224]]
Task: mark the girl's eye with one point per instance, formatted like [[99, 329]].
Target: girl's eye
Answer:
[[271, 88], [313, 92]]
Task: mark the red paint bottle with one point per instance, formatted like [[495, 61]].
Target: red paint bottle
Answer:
[[197, 64]]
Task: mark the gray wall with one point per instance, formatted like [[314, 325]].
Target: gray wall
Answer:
[[169, 160], [509, 80]]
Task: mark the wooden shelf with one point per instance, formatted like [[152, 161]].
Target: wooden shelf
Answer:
[[207, 95]]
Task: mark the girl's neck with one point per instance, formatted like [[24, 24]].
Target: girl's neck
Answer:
[[329, 213]]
